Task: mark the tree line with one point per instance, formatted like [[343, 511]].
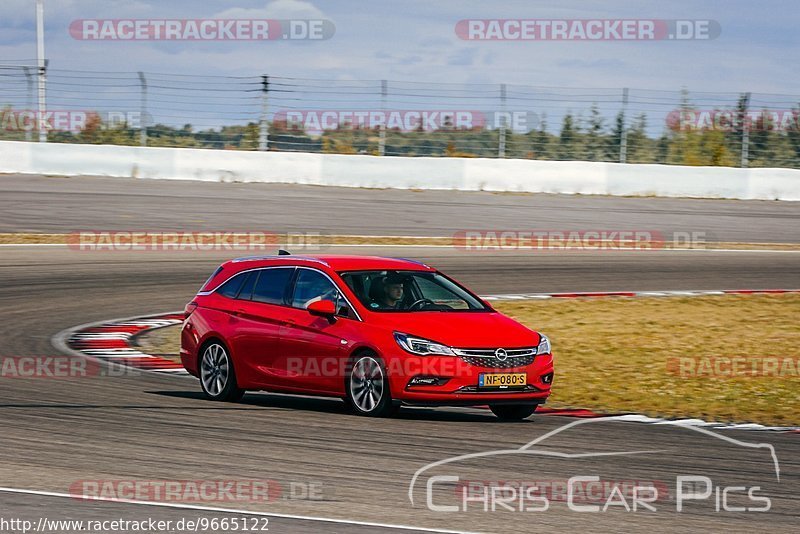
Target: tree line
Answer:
[[590, 138]]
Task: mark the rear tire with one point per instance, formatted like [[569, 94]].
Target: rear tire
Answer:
[[513, 412], [217, 376], [367, 387]]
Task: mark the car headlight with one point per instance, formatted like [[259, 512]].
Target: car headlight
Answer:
[[422, 347], [544, 345]]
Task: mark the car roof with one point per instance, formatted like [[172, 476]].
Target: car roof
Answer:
[[340, 262]]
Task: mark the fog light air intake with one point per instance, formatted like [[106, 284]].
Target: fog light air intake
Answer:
[[427, 381]]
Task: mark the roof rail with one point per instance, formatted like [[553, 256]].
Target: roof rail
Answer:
[[278, 257], [413, 261]]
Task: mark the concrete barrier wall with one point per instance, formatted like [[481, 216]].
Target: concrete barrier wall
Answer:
[[398, 172]]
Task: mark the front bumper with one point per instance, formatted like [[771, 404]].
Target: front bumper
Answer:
[[457, 382]]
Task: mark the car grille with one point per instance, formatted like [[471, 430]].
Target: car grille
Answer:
[[488, 357]]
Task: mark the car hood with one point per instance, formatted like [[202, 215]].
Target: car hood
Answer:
[[463, 329]]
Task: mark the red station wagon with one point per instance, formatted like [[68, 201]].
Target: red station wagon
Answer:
[[378, 332]]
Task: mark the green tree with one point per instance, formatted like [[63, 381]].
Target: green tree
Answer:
[[567, 139]]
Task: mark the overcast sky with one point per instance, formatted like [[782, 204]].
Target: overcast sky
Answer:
[[416, 40]]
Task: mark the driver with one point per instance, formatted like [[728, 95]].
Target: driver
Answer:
[[392, 292]]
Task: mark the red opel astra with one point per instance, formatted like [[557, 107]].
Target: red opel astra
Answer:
[[378, 332]]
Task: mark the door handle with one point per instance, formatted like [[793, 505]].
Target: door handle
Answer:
[[239, 312]]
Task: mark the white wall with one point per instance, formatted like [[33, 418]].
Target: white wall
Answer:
[[399, 172]]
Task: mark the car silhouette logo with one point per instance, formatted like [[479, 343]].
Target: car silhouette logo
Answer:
[[531, 448], [501, 355]]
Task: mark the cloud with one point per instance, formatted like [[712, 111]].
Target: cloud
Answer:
[[279, 9], [463, 58]]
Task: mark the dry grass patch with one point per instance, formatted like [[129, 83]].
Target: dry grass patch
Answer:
[[164, 342], [613, 354]]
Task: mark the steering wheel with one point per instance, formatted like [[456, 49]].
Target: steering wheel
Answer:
[[421, 303]]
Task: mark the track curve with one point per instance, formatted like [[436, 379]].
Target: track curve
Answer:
[[116, 423], [57, 432]]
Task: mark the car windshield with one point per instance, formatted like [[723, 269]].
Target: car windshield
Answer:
[[410, 291]]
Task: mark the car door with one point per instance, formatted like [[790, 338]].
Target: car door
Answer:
[[314, 349], [257, 318]]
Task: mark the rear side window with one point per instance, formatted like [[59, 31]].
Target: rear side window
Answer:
[[247, 288], [231, 288], [271, 285]]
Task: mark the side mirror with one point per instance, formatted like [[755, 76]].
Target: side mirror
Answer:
[[322, 308]]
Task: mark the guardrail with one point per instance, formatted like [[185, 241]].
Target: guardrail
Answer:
[[466, 174]]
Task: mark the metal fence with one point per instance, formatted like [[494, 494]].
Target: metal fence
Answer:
[[410, 118]]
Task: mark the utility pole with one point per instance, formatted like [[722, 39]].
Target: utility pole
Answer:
[[623, 141], [382, 139], [263, 134], [143, 112], [501, 148], [42, 71], [29, 79], [745, 131]]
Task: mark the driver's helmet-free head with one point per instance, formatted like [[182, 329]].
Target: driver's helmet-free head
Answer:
[[380, 288], [393, 279]]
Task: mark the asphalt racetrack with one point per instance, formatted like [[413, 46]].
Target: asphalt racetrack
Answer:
[[53, 204], [56, 433]]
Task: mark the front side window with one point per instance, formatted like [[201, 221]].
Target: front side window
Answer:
[[312, 286], [410, 291], [271, 285]]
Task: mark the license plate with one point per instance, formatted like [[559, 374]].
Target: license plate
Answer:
[[502, 380]]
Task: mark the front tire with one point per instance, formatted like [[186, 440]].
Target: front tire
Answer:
[[367, 387], [513, 412], [217, 376]]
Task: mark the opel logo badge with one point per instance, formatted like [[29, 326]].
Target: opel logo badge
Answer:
[[501, 355]]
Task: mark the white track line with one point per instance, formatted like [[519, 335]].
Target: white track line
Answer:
[[634, 294], [229, 511]]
